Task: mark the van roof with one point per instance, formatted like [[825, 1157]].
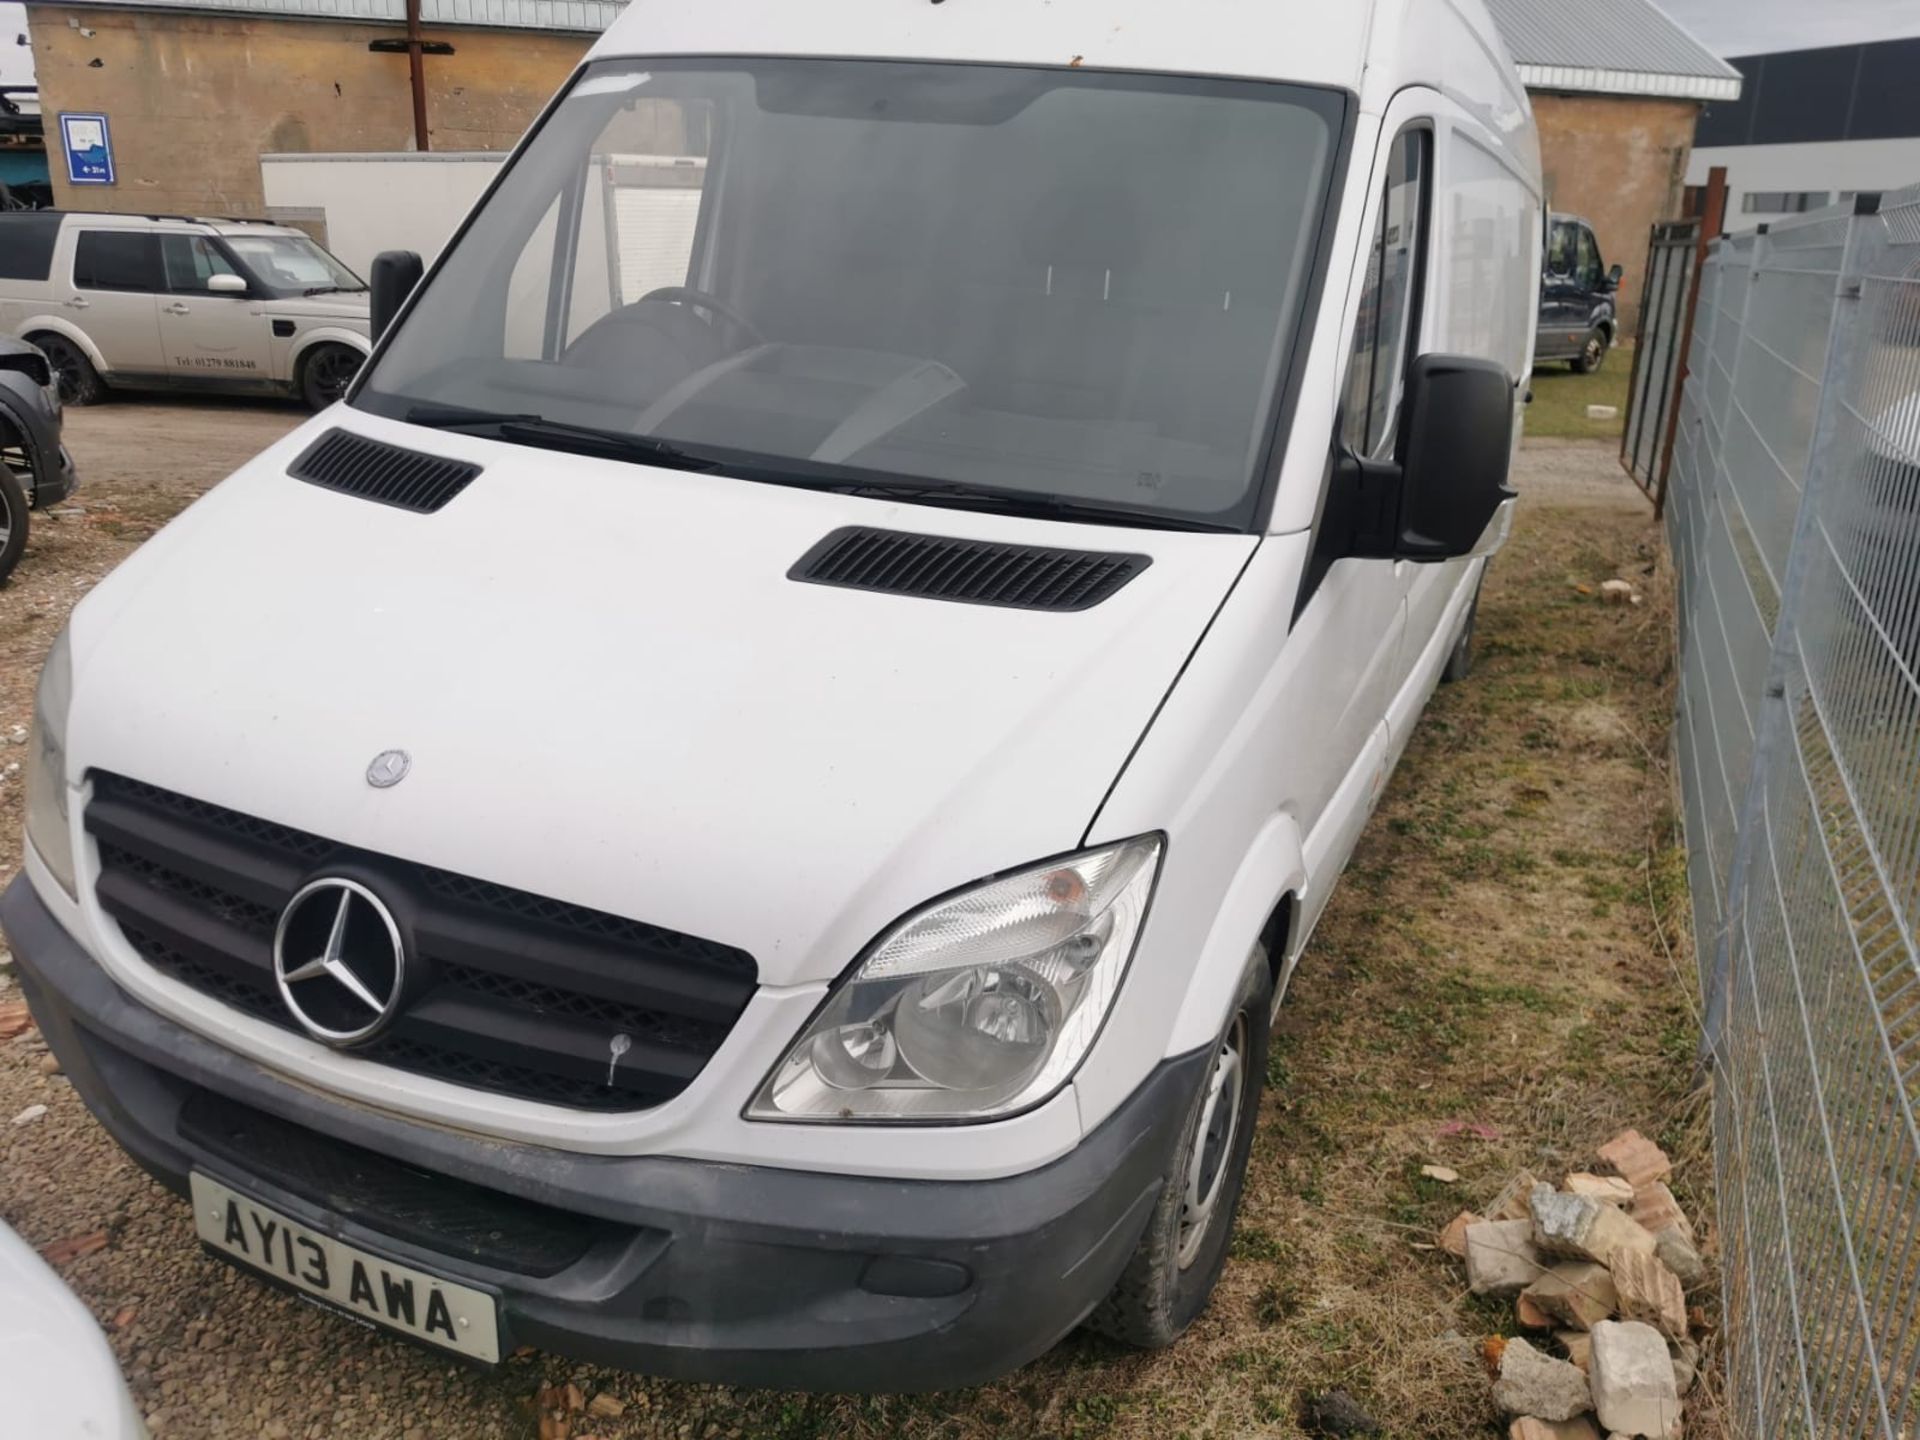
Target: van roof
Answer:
[[1309, 41]]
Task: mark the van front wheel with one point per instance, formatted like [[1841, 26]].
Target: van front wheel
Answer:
[[13, 521], [1593, 352], [1171, 1276]]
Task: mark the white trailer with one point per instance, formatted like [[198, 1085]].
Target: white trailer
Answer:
[[410, 201]]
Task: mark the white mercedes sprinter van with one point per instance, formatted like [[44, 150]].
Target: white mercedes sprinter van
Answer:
[[741, 808]]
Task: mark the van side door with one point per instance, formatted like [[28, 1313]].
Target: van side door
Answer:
[[1351, 618], [209, 335], [115, 300], [1593, 291], [1562, 313], [1485, 242]]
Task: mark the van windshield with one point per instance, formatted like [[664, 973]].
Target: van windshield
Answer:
[[975, 283]]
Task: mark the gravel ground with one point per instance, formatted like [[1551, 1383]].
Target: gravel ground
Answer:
[[210, 1352]]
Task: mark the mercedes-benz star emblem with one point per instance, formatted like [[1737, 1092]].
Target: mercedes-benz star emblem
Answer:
[[388, 769], [338, 961]]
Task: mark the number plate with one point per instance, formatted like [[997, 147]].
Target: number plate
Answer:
[[454, 1317]]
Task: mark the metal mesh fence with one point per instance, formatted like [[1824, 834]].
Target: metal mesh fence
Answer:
[[1794, 517]]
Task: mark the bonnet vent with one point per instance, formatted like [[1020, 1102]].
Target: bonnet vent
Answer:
[[977, 572], [373, 470]]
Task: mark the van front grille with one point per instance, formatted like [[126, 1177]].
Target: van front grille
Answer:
[[517, 994]]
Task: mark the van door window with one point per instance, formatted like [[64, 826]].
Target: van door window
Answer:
[[192, 260], [1561, 249], [1587, 261], [117, 260], [1384, 332]]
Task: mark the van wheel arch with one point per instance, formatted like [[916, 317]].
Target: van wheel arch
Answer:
[[1277, 935]]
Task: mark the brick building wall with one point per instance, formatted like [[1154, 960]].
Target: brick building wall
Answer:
[[1621, 162], [194, 100]]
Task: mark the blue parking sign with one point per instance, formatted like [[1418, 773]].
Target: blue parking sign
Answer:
[[89, 149]]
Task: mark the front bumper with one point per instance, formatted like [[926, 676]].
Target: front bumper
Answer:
[[55, 482], [692, 1269], [54, 476]]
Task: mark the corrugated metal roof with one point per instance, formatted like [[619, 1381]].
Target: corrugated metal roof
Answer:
[[585, 17], [1614, 46]]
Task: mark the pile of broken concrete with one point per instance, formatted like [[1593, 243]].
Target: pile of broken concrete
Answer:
[[1602, 1263]]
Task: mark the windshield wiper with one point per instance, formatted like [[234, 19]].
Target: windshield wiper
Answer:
[[529, 429], [999, 500]]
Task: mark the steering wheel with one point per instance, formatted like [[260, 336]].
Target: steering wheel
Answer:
[[701, 300]]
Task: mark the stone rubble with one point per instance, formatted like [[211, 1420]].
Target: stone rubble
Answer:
[[1633, 1387], [1515, 1201], [1637, 1158], [1453, 1239], [1577, 1293], [1540, 1386], [1610, 1241], [1608, 1189], [1527, 1427], [1650, 1292], [1577, 1227], [1501, 1259]]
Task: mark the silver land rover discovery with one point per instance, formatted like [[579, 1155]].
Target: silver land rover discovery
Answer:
[[168, 302]]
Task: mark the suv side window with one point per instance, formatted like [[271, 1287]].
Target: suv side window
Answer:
[[191, 260], [1383, 335], [117, 260]]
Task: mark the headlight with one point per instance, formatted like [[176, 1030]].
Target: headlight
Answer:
[[49, 826], [979, 1006]]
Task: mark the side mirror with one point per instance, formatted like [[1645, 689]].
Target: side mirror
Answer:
[[1614, 276], [1447, 484], [394, 274], [226, 285]]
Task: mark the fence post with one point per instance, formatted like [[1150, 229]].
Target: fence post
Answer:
[[1714, 1001], [1776, 712]]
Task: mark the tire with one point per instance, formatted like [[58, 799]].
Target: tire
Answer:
[[1460, 661], [1171, 1276], [13, 522], [79, 382], [1593, 352], [325, 373]]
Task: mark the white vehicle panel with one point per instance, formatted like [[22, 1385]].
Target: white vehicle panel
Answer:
[[1295, 39], [675, 732], [58, 1376]]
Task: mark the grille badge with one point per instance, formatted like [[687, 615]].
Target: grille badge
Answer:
[[388, 769], [339, 962]]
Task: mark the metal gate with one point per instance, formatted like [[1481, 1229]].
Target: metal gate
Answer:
[[1653, 393]]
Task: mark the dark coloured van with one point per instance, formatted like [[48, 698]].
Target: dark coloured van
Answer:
[[1577, 320]]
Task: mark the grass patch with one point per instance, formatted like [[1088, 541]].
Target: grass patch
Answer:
[[1560, 400]]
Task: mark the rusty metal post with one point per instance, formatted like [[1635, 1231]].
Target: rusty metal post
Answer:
[[1713, 216], [417, 75]]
